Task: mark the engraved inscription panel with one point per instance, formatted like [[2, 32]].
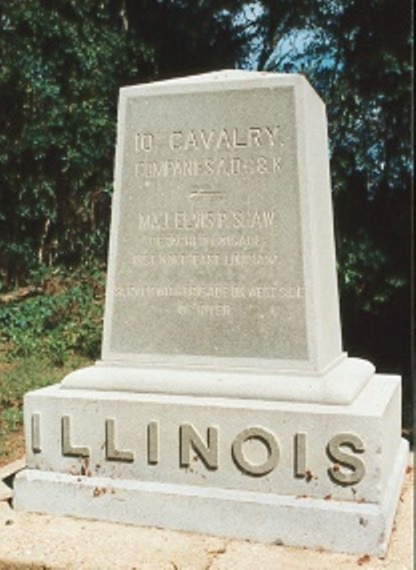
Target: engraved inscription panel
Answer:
[[208, 258]]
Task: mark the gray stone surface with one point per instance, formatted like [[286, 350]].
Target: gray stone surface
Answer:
[[151, 432], [223, 402], [33, 540], [339, 384], [339, 526], [222, 278], [298, 474], [222, 247]]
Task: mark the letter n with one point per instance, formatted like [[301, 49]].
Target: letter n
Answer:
[[191, 440]]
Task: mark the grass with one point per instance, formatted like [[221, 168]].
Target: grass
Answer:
[[43, 338], [16, 379]]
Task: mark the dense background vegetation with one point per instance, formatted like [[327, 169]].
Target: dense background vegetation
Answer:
[[62, 63]]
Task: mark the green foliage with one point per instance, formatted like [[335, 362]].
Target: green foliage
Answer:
[[22, 377], [65, 321], [358, 56], [188, 37], [44, 337], [62, 65]]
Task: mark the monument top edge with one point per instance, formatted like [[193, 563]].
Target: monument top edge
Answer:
[[218, 80]]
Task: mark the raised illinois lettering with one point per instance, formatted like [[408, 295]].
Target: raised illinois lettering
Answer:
[[267, 440], [35, 428], [300, 454], [111, 451], [255, 450], [348, 469], [153, 444], [68, 449], [190, 440]]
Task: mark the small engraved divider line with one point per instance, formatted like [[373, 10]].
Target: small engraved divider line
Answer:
[[201, 193]]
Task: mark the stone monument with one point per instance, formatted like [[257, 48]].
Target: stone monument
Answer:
[[223, 402]]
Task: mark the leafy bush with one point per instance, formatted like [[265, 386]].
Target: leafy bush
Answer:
[[65, 320]]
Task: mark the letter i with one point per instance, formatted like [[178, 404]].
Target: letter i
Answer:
[[153, 443], [300, 454]]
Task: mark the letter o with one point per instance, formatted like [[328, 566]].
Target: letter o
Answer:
[[270, 443]]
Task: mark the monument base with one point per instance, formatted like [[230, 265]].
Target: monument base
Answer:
[[300, 474], [339, 383], [353, 528]]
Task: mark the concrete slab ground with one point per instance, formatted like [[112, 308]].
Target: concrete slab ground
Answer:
[[48, 542]]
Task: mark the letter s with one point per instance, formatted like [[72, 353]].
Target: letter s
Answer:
[[354, 465]]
